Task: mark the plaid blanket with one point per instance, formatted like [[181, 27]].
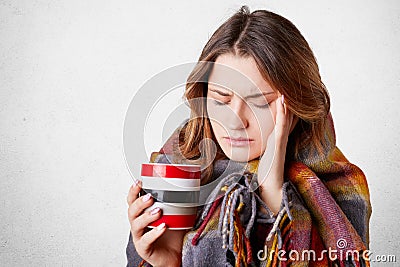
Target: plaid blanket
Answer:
[[323, 219]]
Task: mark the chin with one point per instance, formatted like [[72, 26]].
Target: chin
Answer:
[[239, 159], [241, 156]]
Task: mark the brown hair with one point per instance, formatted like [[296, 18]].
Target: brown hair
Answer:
[[284, 59]]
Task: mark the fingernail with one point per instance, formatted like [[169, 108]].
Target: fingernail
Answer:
[[146, 197], [155, 211], [283, 99], [161, 226], [135, 182]]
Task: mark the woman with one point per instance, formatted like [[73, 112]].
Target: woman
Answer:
[[309, 205]]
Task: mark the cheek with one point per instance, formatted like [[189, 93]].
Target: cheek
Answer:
[[217, 128], [217, 113], [213, 119], [264, 123]]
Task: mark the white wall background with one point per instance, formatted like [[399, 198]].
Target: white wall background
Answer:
[[68, 70]]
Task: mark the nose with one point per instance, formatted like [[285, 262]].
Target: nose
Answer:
[[238, 119]]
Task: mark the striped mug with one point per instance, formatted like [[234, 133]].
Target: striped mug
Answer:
[[175, 189]]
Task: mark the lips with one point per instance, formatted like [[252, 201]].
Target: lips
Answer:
[[238, 141]]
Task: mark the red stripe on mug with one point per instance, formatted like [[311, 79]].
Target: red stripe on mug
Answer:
[[171, 171], [176, 221]]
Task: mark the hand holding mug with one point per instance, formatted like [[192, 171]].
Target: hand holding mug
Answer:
[[158, 246]]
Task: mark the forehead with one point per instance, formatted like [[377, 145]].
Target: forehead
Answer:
[[238, 74]]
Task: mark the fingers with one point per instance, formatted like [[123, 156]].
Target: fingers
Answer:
[[289, 117], [151, 236], [284, 118], [133, 192], [283, 104], [143, 221], [137, 207], [281, 110], [280, 117]]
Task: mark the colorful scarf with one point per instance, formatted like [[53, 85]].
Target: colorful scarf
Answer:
[[323, 219]]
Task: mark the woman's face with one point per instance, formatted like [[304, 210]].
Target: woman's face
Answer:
[[241, 107]]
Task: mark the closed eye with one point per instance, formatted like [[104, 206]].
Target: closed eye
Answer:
[[219, 103], [262, 106]]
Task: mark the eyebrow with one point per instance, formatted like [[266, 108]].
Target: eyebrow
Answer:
[[247, 97]]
